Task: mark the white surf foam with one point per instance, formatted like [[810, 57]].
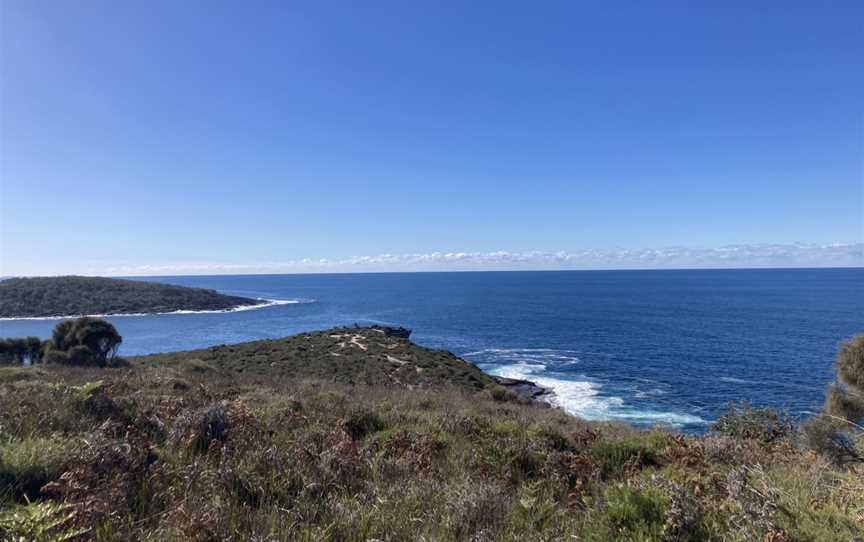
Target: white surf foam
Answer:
[[733, 380], [581, 398], [241, 308], [517, 355]]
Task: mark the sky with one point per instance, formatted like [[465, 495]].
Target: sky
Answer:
[[157, 137]]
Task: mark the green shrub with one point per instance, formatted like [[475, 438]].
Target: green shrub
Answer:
[[549, 437], [39, 522], [83, 341], [615, 456], [537, 510], [820, 503], [850, 363], [827, 437], [843, 403], [503, 395], [37, 406], [837, 431], [28, 464], [361, 422], [630, 514], [741, 420], [509, 459]]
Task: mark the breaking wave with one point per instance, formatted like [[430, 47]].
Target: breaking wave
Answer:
[[582, 397], [241, 308]]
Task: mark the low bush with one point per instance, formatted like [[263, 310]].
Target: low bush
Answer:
[[828, 438], [361, 422], [510, 460], [503, 395], [629, 514], [616, 458], [27, 464], [818, 503], [741, 420], [40, 522], [72, 408], [550, 437]]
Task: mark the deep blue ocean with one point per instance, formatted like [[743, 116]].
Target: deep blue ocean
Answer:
[[639, 346]]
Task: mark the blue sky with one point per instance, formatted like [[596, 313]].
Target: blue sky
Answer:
[[231, 136]]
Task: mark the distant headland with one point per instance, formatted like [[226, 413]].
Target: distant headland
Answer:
[[56, 297]]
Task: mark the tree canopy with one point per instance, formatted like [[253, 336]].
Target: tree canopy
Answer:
[[26, 350], [83, 341]]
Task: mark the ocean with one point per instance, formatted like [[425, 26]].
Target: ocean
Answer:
[[644, 347]]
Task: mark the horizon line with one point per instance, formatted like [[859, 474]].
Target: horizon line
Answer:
[[452, 271], [740, 256]]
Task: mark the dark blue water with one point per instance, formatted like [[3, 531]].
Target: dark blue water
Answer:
[[640, 346]]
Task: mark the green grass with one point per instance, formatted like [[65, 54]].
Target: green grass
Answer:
[[615, 457], [279, 452], [29, 463], [17, 373], [629, 514], [40, 522]]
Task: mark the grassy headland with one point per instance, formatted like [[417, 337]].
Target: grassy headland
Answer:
[[73, 296], [352, 435]]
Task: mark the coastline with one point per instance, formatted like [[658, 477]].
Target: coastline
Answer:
[[526, 388], [239, 308]]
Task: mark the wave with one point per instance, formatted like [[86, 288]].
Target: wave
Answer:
[[733, 380], [540, 355], [581, 398], [241, 308], [653, 392]]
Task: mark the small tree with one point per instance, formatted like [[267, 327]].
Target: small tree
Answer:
[[845, 398], [83, 341], [32, 350], [62, 335], [100, 337], [836, 429], [20, 350]]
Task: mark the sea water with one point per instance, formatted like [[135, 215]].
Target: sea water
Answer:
[[645, 347]]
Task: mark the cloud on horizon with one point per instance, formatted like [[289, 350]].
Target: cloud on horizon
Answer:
[[752, 256]]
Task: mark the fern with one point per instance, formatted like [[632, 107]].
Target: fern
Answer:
[[38, 522]]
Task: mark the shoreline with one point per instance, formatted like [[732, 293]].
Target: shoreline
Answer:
[[239, 308], [527, 388], [561, 394]]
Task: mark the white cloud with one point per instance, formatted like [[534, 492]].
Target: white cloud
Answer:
[[763, 255]]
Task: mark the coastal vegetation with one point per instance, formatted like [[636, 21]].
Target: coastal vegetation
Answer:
[[837, 429], [353, 435], [25, 350], [81, 341], [76, 296]]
